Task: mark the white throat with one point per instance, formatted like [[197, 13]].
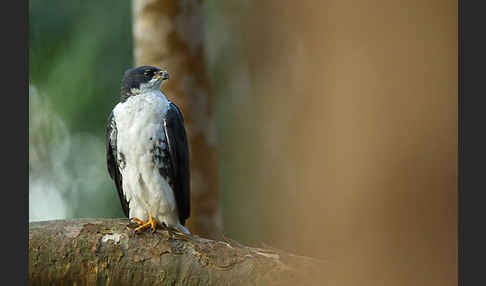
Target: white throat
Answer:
[[153, 85]]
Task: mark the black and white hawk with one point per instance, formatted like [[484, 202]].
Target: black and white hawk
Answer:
[[147, 152]]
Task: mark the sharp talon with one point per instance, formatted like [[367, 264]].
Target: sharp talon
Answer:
[[151, 223]]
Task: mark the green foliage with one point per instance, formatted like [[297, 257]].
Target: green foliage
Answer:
[[78, 52]]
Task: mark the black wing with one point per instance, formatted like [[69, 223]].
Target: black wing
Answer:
[[112, 162], [176, 138]]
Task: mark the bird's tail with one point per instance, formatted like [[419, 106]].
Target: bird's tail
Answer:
[[181, 228]]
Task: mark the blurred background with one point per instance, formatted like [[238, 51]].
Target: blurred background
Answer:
[[335, 123]]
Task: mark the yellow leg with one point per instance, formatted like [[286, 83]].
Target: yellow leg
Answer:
[[153, 224], [143, 225]]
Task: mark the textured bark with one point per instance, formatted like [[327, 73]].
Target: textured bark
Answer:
[[170, 34], [106, 252]]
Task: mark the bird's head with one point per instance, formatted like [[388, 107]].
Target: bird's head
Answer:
[[142, 79]]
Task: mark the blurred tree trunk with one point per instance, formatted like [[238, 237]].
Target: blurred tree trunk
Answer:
[[170, 34], [106, 252]]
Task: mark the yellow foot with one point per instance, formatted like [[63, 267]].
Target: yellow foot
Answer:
[[143, 225]]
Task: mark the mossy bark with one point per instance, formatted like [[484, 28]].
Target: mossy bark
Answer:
[[107, 252]]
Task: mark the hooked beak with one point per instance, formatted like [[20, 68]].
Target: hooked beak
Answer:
[[163, 75]]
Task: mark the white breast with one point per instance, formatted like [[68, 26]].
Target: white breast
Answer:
[[139, 123]]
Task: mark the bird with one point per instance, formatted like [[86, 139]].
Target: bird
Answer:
[[147, 153]]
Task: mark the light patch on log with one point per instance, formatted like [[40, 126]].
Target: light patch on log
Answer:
[[115, 237]]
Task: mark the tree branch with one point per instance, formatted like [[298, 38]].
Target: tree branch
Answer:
[[106, 252]]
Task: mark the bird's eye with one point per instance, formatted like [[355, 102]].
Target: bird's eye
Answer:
[[149, 73]]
